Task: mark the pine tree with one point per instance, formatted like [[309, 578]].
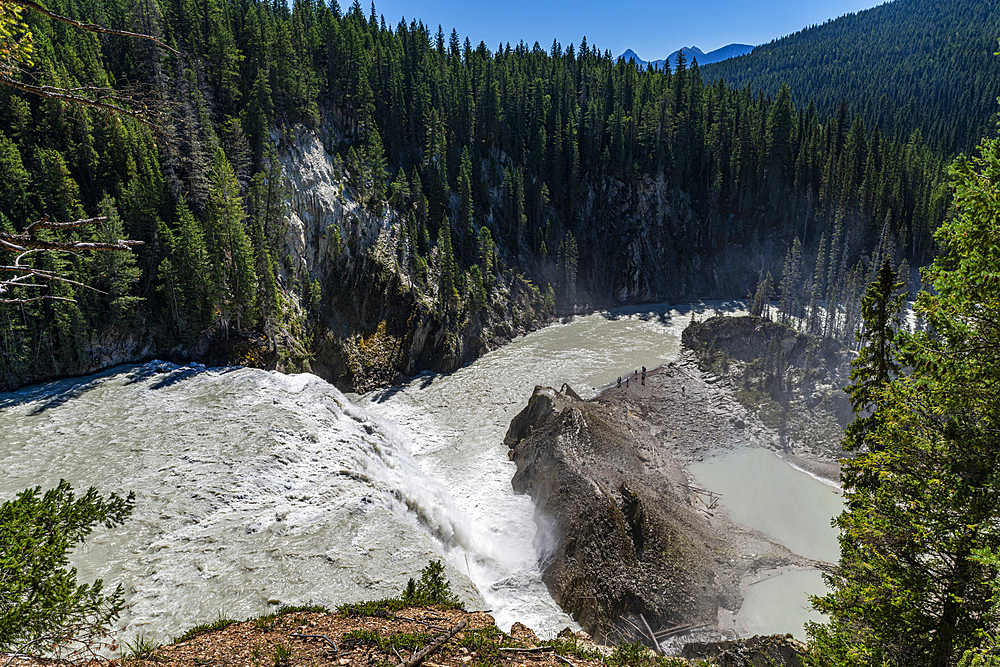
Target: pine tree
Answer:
[[569, 257], [229, 246], [191, 273], [779, 135], [466, 208], [43, 606], [487, 261], [116, 273], [761, 301], [375, 156], [791, 277], [447, 270], [876, 365]]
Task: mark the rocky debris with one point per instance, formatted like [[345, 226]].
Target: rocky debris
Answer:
[[792, 382], [623, 539], [770, 651]]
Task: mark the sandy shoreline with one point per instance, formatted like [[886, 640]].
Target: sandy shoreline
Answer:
[[824, 470]]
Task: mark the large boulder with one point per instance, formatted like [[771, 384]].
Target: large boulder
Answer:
[[621, 543]]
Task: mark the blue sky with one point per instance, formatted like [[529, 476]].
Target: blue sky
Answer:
[[650, 28]]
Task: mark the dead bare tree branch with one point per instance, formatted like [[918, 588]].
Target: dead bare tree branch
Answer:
[[113, 101], [106, 99], [71, 96], [27, 243], [90, 27]]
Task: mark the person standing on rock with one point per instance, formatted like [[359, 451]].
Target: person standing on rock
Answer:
[[626, 382], [643, 376], [619, 381]]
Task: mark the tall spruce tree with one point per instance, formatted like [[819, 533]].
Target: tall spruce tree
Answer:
[[229, 246], [876, 364], [923, 496]]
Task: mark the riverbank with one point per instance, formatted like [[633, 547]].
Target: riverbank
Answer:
[[695, 412], [445, 637], [307, 637]]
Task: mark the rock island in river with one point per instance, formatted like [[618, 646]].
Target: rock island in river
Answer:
[[626, 537]]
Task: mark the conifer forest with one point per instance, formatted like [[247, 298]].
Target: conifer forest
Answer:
[[300, 186], [512, 183]]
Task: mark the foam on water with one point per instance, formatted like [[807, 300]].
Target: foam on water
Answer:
[[254, 486], [251, 486], [457, 425]]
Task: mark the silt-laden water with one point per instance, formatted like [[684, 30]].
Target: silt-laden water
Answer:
[[255, 487]]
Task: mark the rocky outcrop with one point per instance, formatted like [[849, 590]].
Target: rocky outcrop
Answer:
[[374, 320], [792, 381], [622, 540], [770, 651]]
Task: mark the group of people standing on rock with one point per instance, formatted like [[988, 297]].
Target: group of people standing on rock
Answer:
[[635, 378]]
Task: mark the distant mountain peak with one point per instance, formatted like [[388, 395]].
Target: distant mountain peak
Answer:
[[690, 52]]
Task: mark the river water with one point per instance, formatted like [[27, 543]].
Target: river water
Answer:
[[255, 488], [761, 490]]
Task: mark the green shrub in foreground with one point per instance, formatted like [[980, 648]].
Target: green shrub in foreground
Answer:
[[433, 588], [220, 623], [42, 607]]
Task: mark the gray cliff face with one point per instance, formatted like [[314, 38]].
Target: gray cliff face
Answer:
[[373, 320], [792, 381], [663, 249], [620, 539]]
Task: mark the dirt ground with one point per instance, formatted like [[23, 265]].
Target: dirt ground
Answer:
[[307, 639]]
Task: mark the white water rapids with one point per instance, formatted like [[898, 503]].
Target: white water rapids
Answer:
[[254, 486]]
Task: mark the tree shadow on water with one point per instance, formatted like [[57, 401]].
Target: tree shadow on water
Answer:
[[53, 394], [171, 374], [58, 392], [385, 394], [658, 314]]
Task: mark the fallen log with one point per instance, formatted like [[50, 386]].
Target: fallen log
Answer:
[[566, 660], [652, 637], [419, 656]]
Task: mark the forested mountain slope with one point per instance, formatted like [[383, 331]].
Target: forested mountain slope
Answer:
[[459, 195], [923, 65]]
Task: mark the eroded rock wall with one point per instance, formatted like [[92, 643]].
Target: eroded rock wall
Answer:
[[791, 380], [373, 322]]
